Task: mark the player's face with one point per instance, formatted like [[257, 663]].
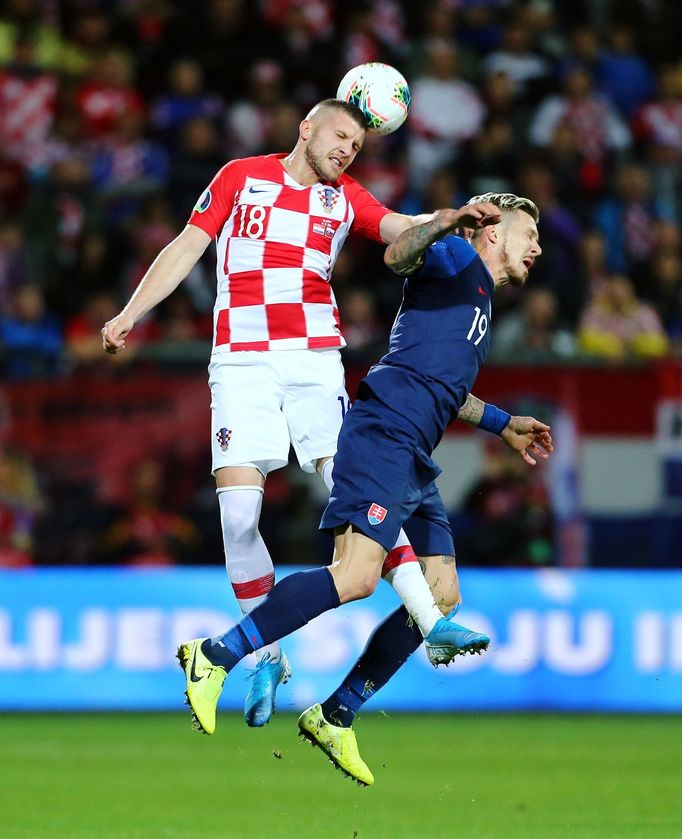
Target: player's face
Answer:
[[519, 247], [334, 141]]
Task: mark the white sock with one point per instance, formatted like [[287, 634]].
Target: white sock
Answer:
[[326, 474], [247, 559], [410, 585]]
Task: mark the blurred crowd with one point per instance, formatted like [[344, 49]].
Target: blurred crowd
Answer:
[[115, 114]]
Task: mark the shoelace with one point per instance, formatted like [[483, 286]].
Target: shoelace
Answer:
[[267, 659]]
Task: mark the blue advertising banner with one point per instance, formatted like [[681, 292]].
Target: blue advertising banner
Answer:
[[563, 640]]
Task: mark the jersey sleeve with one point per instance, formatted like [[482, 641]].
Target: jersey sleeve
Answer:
[[367, 211], [216, 202], [446, 257]]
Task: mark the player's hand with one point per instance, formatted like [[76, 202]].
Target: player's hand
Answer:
[[475, 216], [114, 333], [530, 437]]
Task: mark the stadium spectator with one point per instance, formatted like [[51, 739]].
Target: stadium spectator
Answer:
[[658, 128], [527, 70], [13, 262], [507, 516], [284, 120], [488, 162], [25, 20], [184, 100], [82, 341], [28, 100], [21, 502], [192, 164], [126, 168], [60, 213], [497, 91], [226, 38], [616, 325], [445, 112], [665, 292], [30, 338], [560, 233], [306, 46], [108, 95], [248, 120], [145, 531], [439, 24], [364, 335], [622, 74], [90, 33], [533, 332], [628, 222], [594, 119]]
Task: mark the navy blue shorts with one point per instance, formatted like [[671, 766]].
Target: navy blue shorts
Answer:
[[384, 480]]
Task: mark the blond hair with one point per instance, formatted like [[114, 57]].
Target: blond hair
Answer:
[[509, 202]]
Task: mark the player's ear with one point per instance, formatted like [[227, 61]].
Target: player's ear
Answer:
[[304, 129], [491, 233]]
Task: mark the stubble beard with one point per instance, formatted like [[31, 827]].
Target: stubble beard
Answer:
[[313, 160], [512, 278]]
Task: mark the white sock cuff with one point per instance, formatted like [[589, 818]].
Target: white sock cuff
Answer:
[[235, 488]]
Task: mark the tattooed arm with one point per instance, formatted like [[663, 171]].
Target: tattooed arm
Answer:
[[471, 411], [406, 253], [525, 435]]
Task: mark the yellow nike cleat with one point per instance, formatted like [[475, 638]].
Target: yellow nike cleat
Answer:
[[338, 743], [204, 684]]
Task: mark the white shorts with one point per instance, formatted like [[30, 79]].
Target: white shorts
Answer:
[[264, 402]]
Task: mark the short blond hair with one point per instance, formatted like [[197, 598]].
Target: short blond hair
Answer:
[[509, 202]]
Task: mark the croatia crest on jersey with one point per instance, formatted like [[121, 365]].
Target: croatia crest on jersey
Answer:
[[376, 514], [328, 196], [223, 436]]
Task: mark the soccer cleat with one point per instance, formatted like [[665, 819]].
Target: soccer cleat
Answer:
[[204, 684], [448, 639], [260, 700], [339, 744]]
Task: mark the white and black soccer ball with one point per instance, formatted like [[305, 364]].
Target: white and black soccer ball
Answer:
[[381, 93]]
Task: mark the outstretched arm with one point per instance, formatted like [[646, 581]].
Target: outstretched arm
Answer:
[[167, 271], [405, 254], [525, 435]]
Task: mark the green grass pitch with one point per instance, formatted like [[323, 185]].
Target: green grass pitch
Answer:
[[461, 776]]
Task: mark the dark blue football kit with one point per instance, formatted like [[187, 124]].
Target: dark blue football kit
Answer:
[[384, 477]]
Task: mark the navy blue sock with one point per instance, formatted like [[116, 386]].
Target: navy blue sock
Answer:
[[293, 602], [388, 648]]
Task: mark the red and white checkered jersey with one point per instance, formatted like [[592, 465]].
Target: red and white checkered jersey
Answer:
[[276, 243]]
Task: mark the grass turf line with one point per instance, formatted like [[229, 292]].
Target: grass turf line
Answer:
[[474, 777]]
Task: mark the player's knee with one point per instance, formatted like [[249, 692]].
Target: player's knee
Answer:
[[357, 587], [237, 527]]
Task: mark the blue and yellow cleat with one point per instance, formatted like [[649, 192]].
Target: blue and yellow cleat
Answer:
[[260, 700], [448, 639], [339, 744]]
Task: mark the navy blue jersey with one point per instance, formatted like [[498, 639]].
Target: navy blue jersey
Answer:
[[439, 340]]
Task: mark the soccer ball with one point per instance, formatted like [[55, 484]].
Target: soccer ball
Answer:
[[381, 93]]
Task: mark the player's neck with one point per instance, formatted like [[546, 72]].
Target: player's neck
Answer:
[[298, 168], [493, 262]]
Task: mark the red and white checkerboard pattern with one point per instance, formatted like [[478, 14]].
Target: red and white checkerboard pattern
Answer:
[[277, 242]]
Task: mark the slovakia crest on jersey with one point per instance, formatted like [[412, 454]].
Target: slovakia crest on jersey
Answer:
[[376, 514], [328, 196]]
